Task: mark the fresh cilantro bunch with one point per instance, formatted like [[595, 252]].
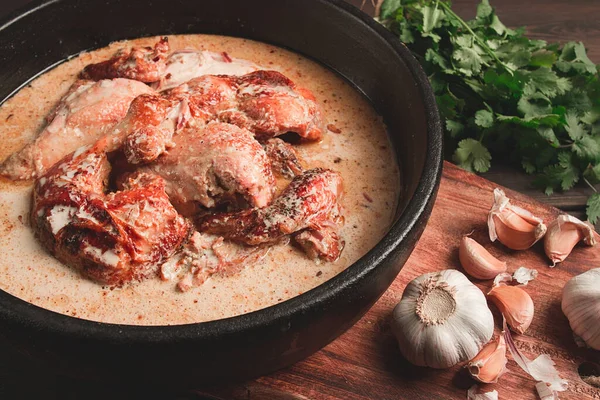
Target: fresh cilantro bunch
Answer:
[[501, 94]]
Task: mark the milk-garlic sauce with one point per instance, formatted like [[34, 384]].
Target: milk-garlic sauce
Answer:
[[355, 144]]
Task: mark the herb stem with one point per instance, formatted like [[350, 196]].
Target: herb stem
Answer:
[[485, 47], [589, 184]]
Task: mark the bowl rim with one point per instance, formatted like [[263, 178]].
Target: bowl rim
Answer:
[[54, 322]]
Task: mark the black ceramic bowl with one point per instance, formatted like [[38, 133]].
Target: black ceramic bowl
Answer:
[[331, 32]]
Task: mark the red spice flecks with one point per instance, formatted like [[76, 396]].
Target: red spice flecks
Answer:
[[367, 197], [333, 128], [226, 57]]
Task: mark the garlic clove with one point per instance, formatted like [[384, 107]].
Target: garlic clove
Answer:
[[513, 226], [490, 363], [515, 304], [477, 261], [563, 234], [581, 306], [441, 320]]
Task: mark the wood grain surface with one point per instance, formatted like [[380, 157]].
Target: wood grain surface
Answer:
[[365, 363]]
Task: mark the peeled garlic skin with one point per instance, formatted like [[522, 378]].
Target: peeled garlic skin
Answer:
[[562, 236], [443, 345], [581, 306], [515, 304], [477, 261]]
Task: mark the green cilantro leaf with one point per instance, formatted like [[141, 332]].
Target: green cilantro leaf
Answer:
[[467, 61], [573, 127], [436, 58], [484, 119], [548, 83], [587, 148], [535, 104], [543, 58], [472, 155], [454, 127], [562, 175], [484, 10], [389, 8], [593, 208], [574, 58]]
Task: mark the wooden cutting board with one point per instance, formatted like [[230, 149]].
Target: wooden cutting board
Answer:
[[365, 362]]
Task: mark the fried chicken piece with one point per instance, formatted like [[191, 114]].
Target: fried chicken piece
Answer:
[[88, 111], [213, 164], [264, 102], [284, 159], [144, 64], [270, 104], [112, 238], [310, 201], [147, 130]]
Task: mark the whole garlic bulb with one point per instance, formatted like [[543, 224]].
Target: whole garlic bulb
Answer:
[[442, 319], [581, 305]]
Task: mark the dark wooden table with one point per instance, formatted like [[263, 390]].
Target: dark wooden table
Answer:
[[551, 20]]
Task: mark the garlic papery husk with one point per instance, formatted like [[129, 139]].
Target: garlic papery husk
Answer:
[[524, 275], [581, 305], [441, 320], [515, 304], [513, 226], [477, 261], [473, 395], [490, 363], [542, 369], [563, 234]]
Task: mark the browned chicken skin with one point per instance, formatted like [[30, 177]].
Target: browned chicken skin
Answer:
[[145, 64], [88, 111], [112, 238], [310, 201], [212, 164], [264, 102]]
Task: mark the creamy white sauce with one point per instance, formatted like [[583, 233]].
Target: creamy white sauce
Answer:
[[60, 216], [361, 153], [187, 64]]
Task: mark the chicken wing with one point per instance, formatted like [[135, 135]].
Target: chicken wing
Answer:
[[310, 201], [87, 112], [112, 238], [145, 64], [164, 71]]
